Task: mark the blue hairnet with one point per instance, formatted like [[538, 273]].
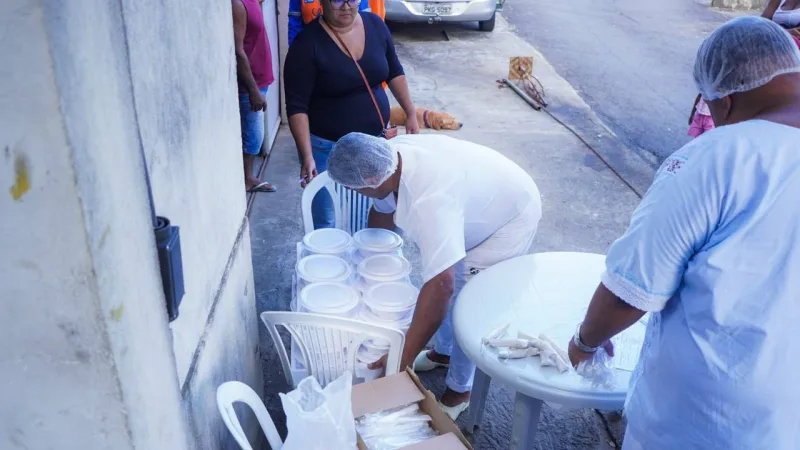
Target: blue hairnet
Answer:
[[744, 54], [359, 161]]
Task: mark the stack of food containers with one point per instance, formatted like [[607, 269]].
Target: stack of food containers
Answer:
[[375, 241], [390, 305], [328, 241], [328, 284]]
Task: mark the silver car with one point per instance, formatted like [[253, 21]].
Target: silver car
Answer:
[[434, 11]]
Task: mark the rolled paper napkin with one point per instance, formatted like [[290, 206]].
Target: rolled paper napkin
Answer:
[[509, 343], [563, 354], [494, 334], [550, 357], [518, 353]]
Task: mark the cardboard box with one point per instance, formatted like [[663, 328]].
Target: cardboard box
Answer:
[[404, 389]]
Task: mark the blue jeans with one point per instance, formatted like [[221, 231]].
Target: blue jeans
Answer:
[[252, 125], [322, 211]]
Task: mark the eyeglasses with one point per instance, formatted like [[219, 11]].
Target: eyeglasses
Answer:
[[339, 4]]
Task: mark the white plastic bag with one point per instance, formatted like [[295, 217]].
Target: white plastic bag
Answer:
[[320, 419], [598, 370]]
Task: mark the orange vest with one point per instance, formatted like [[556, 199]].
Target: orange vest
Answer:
[[378, 8], [310, 10]]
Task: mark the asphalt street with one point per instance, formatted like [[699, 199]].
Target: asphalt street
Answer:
[[631, 61]]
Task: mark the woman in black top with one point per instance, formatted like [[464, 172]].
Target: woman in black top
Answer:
[[326, 97]]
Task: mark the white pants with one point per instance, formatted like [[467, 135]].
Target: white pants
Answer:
[[512, 240]]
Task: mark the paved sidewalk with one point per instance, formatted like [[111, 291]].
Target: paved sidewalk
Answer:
[[586, 206]]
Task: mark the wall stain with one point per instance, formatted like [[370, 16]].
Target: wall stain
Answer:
[[116, 313], [82, 356], [22, 178]]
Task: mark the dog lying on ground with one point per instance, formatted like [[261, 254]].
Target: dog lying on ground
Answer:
[[427, 118]]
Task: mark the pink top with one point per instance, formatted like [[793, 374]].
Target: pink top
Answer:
[[702, 108], [256, 45]]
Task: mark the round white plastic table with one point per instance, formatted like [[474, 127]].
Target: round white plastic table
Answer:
[[545, 293]]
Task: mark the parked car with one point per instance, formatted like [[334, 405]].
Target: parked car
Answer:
[[434, 11]]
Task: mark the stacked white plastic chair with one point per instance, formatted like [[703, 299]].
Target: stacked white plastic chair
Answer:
[[238, 392], [351, 209], [328, 344]]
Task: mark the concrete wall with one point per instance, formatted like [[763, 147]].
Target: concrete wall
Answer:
[[86, 359]]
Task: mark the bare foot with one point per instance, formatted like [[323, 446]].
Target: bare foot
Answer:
[[453, 398], [437, 358]]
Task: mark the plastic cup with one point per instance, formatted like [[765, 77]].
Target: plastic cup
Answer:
[[323, 269], [334, 299], [328, 241], [383, 268], [391, 301], [376, 241]]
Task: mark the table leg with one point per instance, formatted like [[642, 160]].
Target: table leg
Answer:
[[526, 420], [477, 399]]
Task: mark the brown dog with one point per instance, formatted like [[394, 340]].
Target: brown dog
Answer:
[[427, 119]]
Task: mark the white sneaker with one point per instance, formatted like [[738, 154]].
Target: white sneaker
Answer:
[[454, 411], [424, 364]]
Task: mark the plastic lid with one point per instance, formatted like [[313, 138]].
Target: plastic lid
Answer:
[[327, 241], [328, 298], [317, 268], [377, 240], [392, 297], [386, 267], [365, 315]]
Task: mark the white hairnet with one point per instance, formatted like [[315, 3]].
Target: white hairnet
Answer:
[[359, 160], [743, 54]]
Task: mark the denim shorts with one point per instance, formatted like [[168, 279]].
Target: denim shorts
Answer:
[[252, 125]]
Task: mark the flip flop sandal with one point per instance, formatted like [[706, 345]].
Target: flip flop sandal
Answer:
[[262, 187]]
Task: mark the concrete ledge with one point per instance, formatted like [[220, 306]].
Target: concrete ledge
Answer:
[[739, 4]]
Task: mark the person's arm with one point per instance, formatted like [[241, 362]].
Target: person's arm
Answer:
[[298, 125], [694, 108], [770, 9], [645, 267], [399, 87], [436, 223], [243, 71], [295, 19], [299, 72], [398, 83], [608, 315], [432, 306]]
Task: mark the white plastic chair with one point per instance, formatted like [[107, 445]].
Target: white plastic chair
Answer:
[[351, 209], [234, 391], [328, 344]]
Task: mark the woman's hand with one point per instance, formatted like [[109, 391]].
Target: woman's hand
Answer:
[[308, 171], [577, 356], [257, 101], [412, 126]]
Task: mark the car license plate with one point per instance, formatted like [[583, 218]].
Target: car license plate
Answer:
[[437, 9]]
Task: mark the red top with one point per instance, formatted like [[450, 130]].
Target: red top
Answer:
[[256, 45]]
